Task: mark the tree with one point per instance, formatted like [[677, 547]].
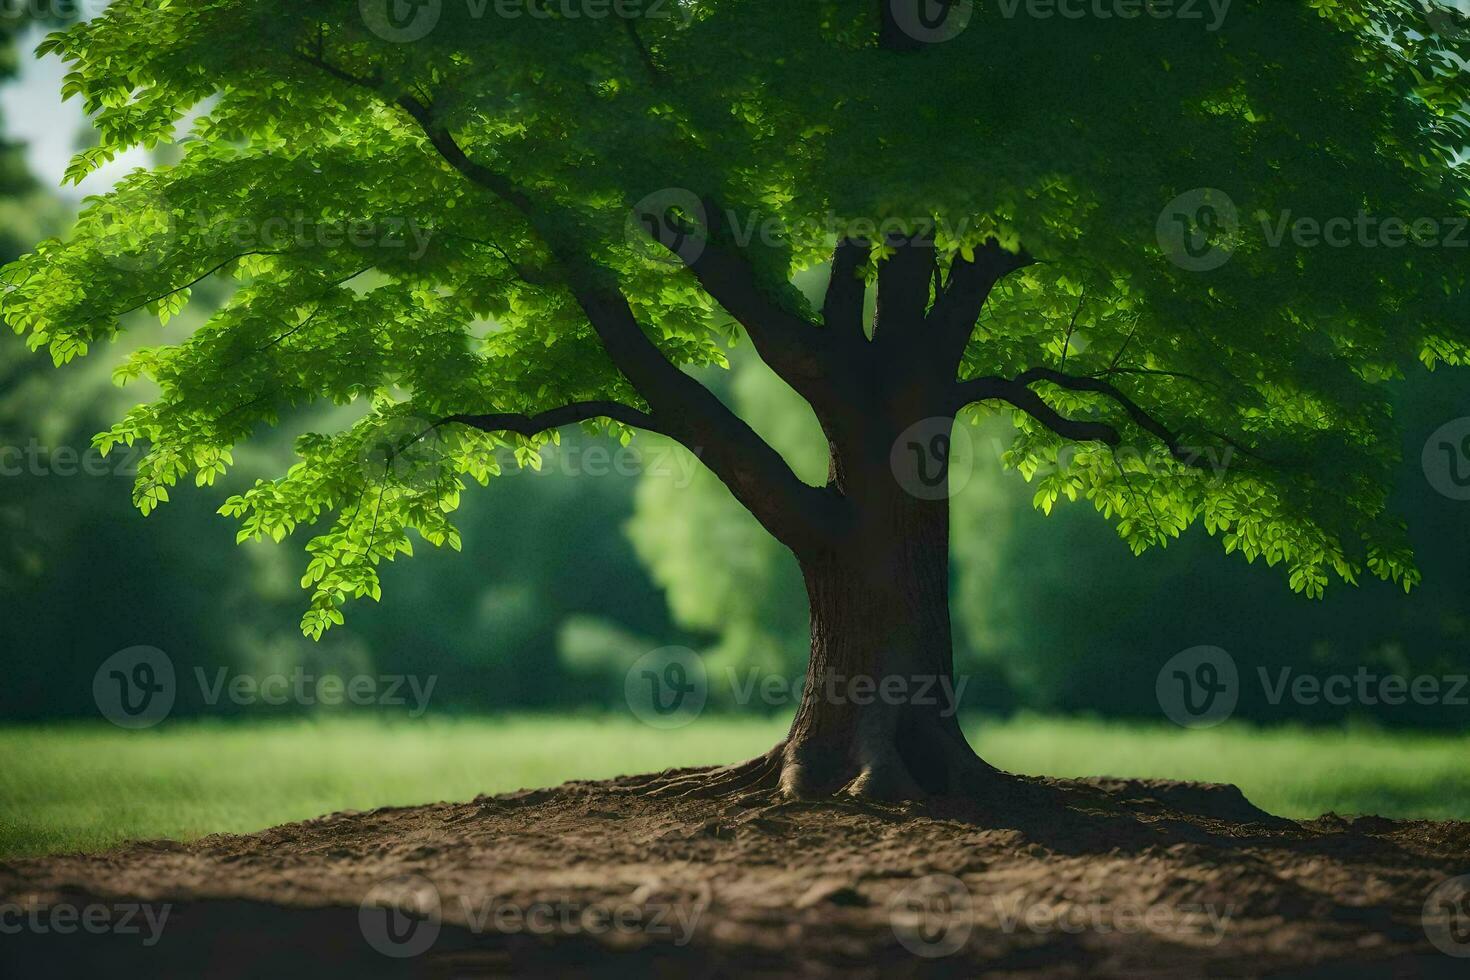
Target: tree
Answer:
[[454, 213], [29, 213]]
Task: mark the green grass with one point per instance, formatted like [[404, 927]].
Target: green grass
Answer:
[[90, 786]]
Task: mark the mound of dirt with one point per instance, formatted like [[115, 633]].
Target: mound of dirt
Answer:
[[1092, 878]]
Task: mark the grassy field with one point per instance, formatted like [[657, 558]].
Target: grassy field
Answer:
[[91, 786]]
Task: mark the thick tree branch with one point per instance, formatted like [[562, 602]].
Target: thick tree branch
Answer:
[[498, 184], [317, 61], [795, 513], [1017, 395], [903, 289], [754, 472], [645, 56], [789, 343], [1141, 418], [530, 425], [842, 309], [969, 285]]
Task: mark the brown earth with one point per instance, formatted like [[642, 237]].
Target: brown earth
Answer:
[[1096, 878]]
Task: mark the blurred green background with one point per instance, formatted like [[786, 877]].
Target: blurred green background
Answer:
[[571, 574]]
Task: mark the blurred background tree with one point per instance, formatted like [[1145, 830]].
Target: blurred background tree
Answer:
[[81, 572]]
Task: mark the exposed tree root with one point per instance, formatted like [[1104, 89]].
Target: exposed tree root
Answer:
[[873, 769], [752, 776]]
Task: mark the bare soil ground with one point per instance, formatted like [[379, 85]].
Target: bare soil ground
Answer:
[[1095, 878]]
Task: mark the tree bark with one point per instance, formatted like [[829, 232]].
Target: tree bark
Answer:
[[878, 716]]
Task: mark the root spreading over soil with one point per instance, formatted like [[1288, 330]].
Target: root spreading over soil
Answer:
[[1090, 878]]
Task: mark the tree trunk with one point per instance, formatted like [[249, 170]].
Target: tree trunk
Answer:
[[878, 716]]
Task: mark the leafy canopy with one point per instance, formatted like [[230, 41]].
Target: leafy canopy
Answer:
[[414, 225]]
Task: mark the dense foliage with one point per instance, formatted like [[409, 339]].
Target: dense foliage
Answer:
[[412, 223]]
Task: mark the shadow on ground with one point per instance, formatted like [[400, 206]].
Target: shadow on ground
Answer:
[[1096, 878]]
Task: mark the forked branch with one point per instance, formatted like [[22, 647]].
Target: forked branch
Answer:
[[794, 512], [1140, 417], [842, 310], [1017, 392], [788, 342], [969, 285]]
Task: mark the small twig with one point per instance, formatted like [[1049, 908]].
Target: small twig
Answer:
[[1067, 342]]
